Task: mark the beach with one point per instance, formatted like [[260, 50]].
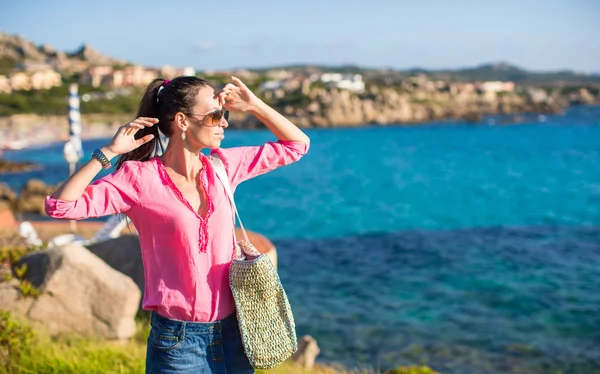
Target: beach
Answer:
[[31, 130]]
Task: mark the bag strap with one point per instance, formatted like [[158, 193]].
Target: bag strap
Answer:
[[219, 167]]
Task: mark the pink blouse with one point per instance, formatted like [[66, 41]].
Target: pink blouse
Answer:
[[186, 256]]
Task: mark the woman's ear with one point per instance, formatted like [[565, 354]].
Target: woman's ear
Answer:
[[181, 121]]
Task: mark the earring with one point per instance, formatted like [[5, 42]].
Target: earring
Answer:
[[183, 135]]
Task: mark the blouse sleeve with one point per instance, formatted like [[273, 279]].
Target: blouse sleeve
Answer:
[[114, 194], [243, 163]]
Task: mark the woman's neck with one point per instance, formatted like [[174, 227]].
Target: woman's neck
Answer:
[[183, 161]]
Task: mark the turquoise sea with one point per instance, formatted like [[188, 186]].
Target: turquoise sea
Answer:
[[470, 248]]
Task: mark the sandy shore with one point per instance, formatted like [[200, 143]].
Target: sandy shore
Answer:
[[29, 130]]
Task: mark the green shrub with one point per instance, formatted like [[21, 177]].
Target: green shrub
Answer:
[[9, 258], [412, 370], [15, 341]]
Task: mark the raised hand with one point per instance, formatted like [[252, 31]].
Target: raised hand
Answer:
[[124, 140], [237, 97]]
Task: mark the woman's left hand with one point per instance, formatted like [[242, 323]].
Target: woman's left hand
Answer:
[[237, 97]]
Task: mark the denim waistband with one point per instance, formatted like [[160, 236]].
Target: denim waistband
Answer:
[[199, 327]]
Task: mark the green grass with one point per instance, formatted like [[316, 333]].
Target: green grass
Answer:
[[24, 349]]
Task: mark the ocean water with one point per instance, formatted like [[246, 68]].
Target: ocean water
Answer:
[[471, 248]]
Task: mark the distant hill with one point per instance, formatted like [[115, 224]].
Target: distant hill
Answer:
[[15, 50], [486, 72], [507, 72]]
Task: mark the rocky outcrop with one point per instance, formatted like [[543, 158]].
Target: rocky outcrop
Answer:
[[30, 200], [18, 49], [89, 54], [32, 197], [79, 293], [8, 198], [15, 167], [15, 47], [335, 107]]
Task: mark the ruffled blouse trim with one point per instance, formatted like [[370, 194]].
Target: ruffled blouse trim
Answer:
[[211, 208], [166, 180]]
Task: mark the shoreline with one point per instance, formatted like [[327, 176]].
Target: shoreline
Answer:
[[28, 131], [32, 131]]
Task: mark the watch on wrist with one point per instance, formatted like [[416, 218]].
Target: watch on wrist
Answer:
[[100, 156]]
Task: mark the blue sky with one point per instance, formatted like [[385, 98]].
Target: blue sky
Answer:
[[533, 34]]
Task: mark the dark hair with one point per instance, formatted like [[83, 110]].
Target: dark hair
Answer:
[[179, 95]]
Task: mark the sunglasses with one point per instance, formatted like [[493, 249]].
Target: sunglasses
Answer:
[[215, 117]]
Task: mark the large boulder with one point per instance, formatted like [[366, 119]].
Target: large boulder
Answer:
[[122, 254], [80, 293]]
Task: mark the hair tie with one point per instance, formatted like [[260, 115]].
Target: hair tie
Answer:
[[162, 87]]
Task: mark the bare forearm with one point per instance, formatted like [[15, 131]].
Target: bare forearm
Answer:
[[283, 128], [74, 187]]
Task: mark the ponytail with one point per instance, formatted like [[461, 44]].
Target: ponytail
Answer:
[[162, 100], [147, 108]]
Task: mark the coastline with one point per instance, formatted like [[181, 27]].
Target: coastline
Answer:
[[27, 131], [323, 109], [31, 131]]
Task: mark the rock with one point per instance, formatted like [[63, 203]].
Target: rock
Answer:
[[8, 197], [14, 47], [37, 187], [11, 298], [31, 204], [48, 49], [308, 350], [122, 254], [89, 54], [473, 117], [80, 294], [33, 195], [9, 236], [15, 167]]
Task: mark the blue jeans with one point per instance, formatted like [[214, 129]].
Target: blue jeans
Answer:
[[195, 347]]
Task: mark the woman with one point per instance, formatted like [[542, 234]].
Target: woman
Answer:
[[182, 214]]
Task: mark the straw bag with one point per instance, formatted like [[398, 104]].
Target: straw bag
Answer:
[[263, 311]]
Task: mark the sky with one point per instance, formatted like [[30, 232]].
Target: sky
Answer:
[[538, 35]]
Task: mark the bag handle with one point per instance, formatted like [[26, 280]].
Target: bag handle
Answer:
[[219, 167]]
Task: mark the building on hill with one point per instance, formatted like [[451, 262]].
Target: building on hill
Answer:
[[5, 84], [351, 82], [129, 76], [45, 79], [170, 72], [497, 86]]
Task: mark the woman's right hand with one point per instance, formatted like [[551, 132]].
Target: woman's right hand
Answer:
[[124, 140]]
